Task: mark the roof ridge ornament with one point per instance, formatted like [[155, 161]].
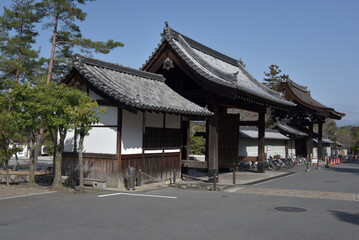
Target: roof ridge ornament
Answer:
[[284, 78], [168, 64], [241, 63], [168, 33]]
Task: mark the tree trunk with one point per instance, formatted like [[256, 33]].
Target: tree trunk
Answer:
[[58, 160], [33, 160], [16, 163], [32, 157], [7, 172], [18, 70], [53, 47], [81, 168]]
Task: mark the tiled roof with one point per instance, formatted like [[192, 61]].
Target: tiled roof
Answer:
[[138, 89], [252, 132], [290, 130], [304, 95], [220, 69], [324, 140]]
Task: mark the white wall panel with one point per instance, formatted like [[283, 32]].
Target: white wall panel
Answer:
[[101, 140], [173, 121], [154, 120], [108, 118], [172, 150], [69, 141], [131, 132]]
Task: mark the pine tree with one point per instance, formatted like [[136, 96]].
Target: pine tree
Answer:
[[273, 77], [62, 16], [18, 59]]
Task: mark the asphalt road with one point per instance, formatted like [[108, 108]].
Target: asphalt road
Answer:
[[172, 213]]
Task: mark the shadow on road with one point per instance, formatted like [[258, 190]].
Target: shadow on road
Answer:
[[352, 218], [347, 168]]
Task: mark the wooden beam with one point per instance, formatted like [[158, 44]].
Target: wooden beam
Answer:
[[247, 158], [248, 123], [193, 164]]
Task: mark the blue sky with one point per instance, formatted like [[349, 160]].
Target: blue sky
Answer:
[[315, 42]]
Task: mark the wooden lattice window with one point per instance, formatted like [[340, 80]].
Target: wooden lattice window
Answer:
[[153, 138]]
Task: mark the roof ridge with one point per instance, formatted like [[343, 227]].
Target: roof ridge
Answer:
[[298, 86], [117, 67], [170, 32]]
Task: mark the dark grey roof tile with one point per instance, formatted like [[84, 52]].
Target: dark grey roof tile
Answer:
[[142, 90]]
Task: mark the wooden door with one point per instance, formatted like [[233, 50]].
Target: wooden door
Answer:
[[228, 135]]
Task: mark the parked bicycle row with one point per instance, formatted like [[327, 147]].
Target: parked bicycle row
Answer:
[[278, 162]]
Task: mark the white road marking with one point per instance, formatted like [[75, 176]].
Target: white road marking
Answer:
[[137, 195], [27, 195]]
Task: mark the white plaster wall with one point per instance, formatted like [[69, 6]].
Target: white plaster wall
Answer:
[[101, 140], [327, 151], [291, 147], [172, 150], [153, 151], [248, 147], [315, 152], [108, 118], [131, 132], [154, 119], [277, 146], [95, 96], [173, 121], [69, 141]]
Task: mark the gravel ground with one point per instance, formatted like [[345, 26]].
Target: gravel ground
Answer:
[[13, 191]]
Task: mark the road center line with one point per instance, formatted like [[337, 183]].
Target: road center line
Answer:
[[137, 195]]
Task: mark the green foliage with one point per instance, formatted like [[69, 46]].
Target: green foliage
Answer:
[[330, 129], [9, 130], [62, 16], [272, 77], [18, 60], [197, 142]]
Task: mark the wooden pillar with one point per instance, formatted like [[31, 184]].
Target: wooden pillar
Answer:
[[186, 147], [163, 144], [143, 141], [320, 141], [310, 141], [119, 145], [261, 131], [213, 144]]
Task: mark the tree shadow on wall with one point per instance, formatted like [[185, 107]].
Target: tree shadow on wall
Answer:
[[352, 218]]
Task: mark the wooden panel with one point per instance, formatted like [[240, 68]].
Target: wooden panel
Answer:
[[246, 158], [106, 168], [228, 134], [156, 166], [95, 166]]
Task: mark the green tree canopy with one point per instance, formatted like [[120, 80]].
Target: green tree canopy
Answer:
[[272, 77], [62, 16], [18, 59]]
